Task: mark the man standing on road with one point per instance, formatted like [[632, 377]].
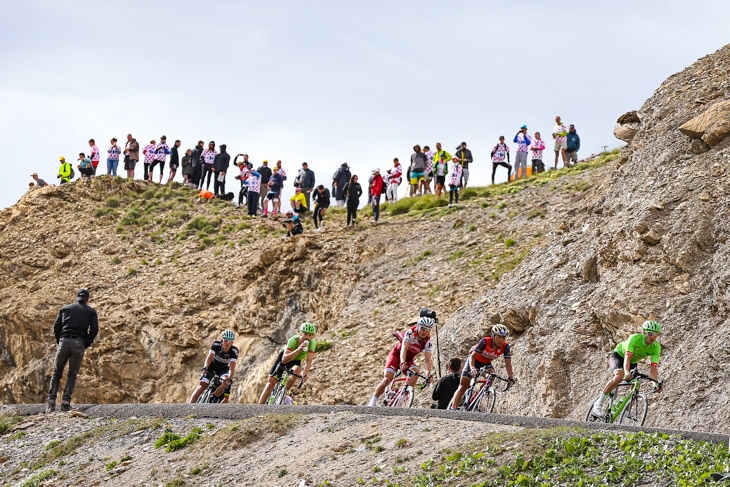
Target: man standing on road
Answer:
[[573, 146], [523, 142], [265, 172], [131, 155], [465, 158], [560, 135], [75, 329], [305, 180], [339, 180]]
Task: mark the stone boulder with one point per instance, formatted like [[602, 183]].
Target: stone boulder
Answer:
[[712, 126], [627, 126]]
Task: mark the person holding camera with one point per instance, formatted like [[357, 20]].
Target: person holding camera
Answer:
[[64, 172], [447, 385], [523, 141]]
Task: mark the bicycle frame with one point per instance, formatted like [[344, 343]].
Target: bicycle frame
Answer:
[[281, 384], [399, 385], [475, 381], [618, 408]]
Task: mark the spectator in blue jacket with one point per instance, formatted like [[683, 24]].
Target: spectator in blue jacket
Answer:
[[573, 146]]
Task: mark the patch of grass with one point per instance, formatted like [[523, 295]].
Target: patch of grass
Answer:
[[535, 214], [37, 478], [322, 345], [281, 473], [116, 260], [52, 444], [110, 465], [180, 443], [502, 205], [17, 436], [379, 448], [175, 483], [7, 421], [509, 242], [196, 470], [456, 255], [100, 212], [507, 263], [484, 204], [468, 194], [131, 217], [472, 228], [458, 224], [131, 271], [112, 202], [201, 223], [401, 443]]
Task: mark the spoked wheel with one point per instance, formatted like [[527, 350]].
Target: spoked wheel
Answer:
[[205, 396], [634, 413], [464, 400], [592, 418], [406, 399], [279, 396], [484, 402]]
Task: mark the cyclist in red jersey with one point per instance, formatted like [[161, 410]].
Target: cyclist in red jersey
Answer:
[[414, 341], [481, 355]]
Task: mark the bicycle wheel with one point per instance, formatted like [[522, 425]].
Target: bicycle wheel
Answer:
[[406, 399], [279, 398], [484, 402], [204, 397], [590, 417], [634, 413]]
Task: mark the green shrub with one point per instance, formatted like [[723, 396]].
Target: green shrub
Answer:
[[467, 194], [458, 224], [116, 260], [131, 217], [201, 223], [322, 345], [401, 207], [132, 271], [509, 242], [112, 202], [36, 479]]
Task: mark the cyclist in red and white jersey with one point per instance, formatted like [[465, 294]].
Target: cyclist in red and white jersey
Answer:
[[414, 341], [481, 355]]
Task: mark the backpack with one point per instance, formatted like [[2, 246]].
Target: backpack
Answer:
[[73, 173]]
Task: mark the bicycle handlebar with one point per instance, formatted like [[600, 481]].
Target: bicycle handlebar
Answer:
[[485, 371], [639, 376]]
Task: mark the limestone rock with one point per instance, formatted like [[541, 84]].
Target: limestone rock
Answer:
[[627, 126], [712, 126], [651, 238]]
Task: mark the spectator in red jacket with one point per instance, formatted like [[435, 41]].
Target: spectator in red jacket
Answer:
[[376, 189]]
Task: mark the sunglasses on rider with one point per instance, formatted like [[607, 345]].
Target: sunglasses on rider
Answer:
[[652, 333]]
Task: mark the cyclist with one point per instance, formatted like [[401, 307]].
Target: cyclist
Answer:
[[298, 348], [414, 341], [481, 355], [221, 360], [627, 355]]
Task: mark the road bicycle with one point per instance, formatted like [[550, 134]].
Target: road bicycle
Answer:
[[399, 394], [481, 396], [626, 404], [279, 392], [208, 395]]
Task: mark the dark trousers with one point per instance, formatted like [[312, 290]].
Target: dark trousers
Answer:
[[453, 194], [318, 216], [69, 350], [219, 186], [538, 166], [352, 210], [376, 206], [206, 172], [242, 194], [503, 164], [253, 202], [146, 171], [307, 195], [197, 172]]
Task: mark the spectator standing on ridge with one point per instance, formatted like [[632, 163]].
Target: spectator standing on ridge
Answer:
[[265, 172], [465, 158], [149, 156], [499, 152], [440, 170], [454, 181], [370, 188], [243, 177], [282, 173], [86, 167], [537, 146], [428, 174], [64, 172], [305, 181], [112, 161], [560, 135], [339, 180], [94, 156], [221, 163], [174, 161], [439, 151], [208, 159], [395, 179], [161, 152], [523, 142], [447, 385], [254, 187], [197, 162], [131, 155], [353, 191], [276, 185], [573, 146], [187, 167], [41, 183], [75, 329], [418, 168], [321, 203], [376, 189]]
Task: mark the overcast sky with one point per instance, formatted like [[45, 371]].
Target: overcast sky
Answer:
[[329, 82]]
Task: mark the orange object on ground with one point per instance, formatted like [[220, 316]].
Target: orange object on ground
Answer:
[[206, 194]]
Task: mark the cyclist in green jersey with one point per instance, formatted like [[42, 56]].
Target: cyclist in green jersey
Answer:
[[627, 356], [298, 348]]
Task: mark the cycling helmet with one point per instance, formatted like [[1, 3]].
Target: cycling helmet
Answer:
[[425, 322], [651, 325], [500, 329], [228, 335], [308, 328]]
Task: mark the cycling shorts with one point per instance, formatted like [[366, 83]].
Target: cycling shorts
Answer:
[[466, 371], [208, 375], [616, 362], [416, 176], [277, 370], [393, 362], [441, 180]]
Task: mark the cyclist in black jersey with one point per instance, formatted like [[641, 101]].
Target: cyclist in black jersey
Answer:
[[221, 360]]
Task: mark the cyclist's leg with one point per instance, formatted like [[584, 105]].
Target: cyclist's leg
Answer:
[[616, 363], [414, 378], [205, 378], [463, 385], [296, 367], [226, 389], [221, 388], [391, 366], [274, 376]]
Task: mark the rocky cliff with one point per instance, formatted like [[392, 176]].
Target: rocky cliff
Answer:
[[650, 242]]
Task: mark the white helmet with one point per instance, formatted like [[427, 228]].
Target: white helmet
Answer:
[[500, 329], [425, 322]]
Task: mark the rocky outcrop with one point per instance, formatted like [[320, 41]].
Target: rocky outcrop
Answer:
[[711, 126], [627, 126]]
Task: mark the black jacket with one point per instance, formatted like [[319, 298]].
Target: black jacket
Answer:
[[445, 389], [305, 179], [79, 320], [322, 200], [341, 177], [466, 155], [222, 160], [265, 172], [352, 191], [174, 157], [197, 153]]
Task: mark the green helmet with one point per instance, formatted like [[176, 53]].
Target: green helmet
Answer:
[[308, 328], [228, 335], [651, 325]]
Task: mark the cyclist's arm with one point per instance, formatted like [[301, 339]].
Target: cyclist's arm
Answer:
[[289, 354], [310, 358], [427, 359], [231, 370], [472, 361], [627, 363], [404, 349], [508, 366], [209, 359], [654, 372]]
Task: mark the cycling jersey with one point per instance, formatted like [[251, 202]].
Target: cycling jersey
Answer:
[[484, 353], [415, 344], [637, 349], [222, 359], [293, 344]]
